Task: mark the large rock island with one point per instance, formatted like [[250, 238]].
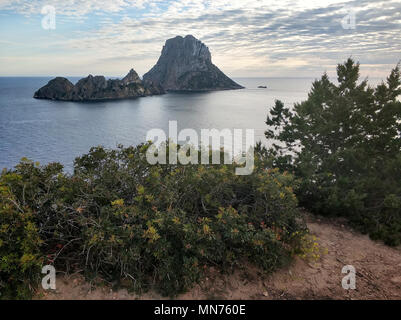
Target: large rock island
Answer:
[[97, 88], [186, 64]]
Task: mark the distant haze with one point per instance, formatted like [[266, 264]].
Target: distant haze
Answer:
[[247, 38]]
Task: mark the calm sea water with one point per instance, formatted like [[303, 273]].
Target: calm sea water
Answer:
[[48, 131]]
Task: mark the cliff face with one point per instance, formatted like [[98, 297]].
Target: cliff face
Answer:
[[97, 88], [185, 64]]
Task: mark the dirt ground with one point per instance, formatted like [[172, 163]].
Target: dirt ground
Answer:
[[378, 274]]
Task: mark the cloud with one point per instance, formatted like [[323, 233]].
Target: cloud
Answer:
[[246, 37], [70, 7]]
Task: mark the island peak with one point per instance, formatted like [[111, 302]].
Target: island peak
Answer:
[[186, 64]]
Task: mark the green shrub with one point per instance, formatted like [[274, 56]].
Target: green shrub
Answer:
[[20, 257], [144, 226], [344, 143]]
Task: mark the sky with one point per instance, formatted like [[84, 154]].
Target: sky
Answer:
[[247, 38]]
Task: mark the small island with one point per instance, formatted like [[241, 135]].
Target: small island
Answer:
[[185, 64], [97, 88]]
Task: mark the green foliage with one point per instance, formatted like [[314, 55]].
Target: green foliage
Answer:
[[344, 144], [144, 226], [20, 257]]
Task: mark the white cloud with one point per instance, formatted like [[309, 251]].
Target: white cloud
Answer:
[[70, 7], [246, 37]]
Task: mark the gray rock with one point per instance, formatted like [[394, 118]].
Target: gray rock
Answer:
[[57, 89], [90, 88], [186, 64], [95, 88], [131, 77]]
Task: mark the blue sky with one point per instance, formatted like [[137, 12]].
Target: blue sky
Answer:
[[246, 37]]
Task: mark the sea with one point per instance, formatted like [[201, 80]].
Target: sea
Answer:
[[56, 131]]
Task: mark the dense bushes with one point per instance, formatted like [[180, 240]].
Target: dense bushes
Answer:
[[344, 144], [20, 258], [122, 220]]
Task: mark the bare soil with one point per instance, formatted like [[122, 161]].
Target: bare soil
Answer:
[[378, 274]]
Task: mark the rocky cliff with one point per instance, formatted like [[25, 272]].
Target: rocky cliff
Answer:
[[94, 88], [186, 64]]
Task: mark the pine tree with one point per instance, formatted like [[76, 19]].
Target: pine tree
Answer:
[[344, 142]]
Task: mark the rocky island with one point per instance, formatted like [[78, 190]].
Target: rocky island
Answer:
[[95, 88], [185, 64]]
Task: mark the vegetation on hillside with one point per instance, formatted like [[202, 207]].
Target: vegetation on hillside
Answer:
[[123, 220]]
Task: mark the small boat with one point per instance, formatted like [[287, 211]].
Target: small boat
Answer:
[[262, 87]]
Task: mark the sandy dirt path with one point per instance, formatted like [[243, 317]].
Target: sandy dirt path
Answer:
[[378, 274]]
